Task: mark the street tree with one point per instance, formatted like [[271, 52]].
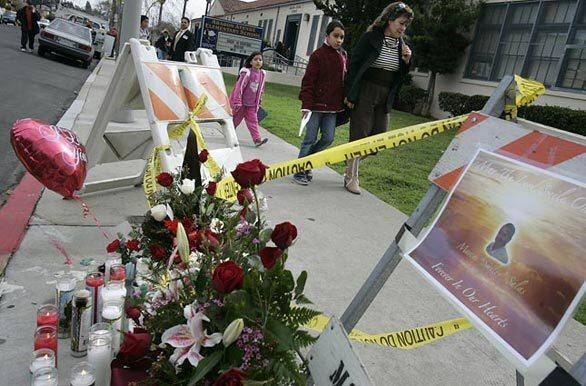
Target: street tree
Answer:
[[88, 7], [440, 34]]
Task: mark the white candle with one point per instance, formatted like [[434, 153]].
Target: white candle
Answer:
[[99, 356], [113, 291], [83, 379], [45, 376], [112, 314], [44, 361]]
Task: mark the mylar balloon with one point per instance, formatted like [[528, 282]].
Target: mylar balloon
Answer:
[[53, 155]]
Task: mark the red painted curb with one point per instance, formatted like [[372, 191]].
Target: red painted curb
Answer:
[[14, 216]]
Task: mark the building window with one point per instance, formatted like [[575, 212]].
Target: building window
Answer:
[[311, 43], [278, 38], [542, 40], [270, 30], [325, 20]]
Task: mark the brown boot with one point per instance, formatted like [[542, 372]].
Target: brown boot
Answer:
[[351, 182]]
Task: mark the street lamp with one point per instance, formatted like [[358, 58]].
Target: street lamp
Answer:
[[208, 2]]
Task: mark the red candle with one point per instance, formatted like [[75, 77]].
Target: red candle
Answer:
[[117, 272], [46, 337], [47, 314], [94, 282]]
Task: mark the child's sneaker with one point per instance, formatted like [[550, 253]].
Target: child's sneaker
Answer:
[[260, 142], [309, 175], [300, 178]]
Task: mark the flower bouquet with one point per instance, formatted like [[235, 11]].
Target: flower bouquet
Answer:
[[213, 290]]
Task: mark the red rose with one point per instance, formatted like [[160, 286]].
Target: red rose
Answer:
[[171, 225], [249, 173], [165, 179], [232, 377], [203, 155], [269, 256], [113, 246], [134, 347], [211, 188], [133, 313], [244, 196], [158, 252], [227, 277], [284, 234], [133, 244], [187, 224]]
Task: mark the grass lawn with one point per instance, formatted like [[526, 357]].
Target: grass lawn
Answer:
[[397, 176]]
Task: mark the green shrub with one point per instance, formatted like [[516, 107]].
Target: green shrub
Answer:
[[559, 117], [476, 103], [453, 102], [409, 97]]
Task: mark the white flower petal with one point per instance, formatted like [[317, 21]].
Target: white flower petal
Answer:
[[212, 340], [179, 355], [194, 356], [179, 336]]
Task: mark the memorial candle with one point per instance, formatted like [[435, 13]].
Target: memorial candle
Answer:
[[46, 337], [45, 376], [82, 374], [94, 282], [43, 357], [47, 314], [99, 356], [117, 272]]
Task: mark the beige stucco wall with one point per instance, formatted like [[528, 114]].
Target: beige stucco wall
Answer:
[[272, 76]]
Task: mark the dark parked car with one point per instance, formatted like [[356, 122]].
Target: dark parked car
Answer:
[[68, 39], [9, 17]]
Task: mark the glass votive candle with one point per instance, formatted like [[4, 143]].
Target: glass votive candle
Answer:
[[47, 314], [43, 357], [117, 272], [112, 313], [46, 337], [113, 258], [82, 374], [45, 376], [101, 329], [99, 355]]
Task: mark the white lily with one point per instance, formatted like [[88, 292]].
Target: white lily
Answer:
[[188, 339], [187, 186], [217, 225]]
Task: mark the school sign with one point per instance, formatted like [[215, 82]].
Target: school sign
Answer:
[[231, 38]]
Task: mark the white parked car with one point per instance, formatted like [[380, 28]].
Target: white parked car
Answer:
[[43, 23], [68, 39]]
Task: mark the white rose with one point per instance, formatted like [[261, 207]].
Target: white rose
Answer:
[[159, 212], [217, 225], [187, 186]]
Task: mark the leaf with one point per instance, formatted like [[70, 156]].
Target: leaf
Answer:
[[301, 299], [258, 383], [205, 366], [265, 235], [300, 283], [281, 333], [287, 281], [255, 262]]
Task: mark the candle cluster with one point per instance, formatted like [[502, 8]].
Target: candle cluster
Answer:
[[93, 317]]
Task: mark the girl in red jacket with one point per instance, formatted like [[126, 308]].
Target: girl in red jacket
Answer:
[[322, 94]]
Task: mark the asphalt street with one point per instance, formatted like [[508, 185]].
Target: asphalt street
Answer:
[[30, 87]]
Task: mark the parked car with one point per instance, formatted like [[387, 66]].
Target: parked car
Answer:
[[43, 23], [9, 17], [68, 39]]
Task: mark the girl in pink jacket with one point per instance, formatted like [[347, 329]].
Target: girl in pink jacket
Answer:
[[246, 96]]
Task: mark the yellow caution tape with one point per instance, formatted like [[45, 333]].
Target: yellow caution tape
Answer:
[[177, 132], [405, 339], [526, 92], [149, 180], [227, 188]]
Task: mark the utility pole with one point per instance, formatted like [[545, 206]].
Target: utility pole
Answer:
[[161, 2], [184, 7], [208, 2]]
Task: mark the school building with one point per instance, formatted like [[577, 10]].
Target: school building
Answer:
[[539, 39]]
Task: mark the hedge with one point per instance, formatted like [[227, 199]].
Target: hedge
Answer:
[[563, 118], [409, 97]]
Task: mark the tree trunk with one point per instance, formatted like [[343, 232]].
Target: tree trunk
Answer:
[[430, 93]]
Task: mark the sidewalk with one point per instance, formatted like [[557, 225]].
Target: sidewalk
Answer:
[[341, 237]]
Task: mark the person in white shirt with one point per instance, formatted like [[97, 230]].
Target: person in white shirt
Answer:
[[498, 248], [144, 28]]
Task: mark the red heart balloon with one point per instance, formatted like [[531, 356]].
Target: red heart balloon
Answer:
[[53, 155]]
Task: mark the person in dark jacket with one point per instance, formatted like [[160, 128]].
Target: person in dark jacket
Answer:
[[182, 42], [322, 95], [28, 17], [162, 44], [378, 65]]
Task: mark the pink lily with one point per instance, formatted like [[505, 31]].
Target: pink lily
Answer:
[[188, 339]]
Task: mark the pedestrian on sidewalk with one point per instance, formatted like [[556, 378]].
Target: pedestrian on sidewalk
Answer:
[[322, 95], [144, 28], [183, 41], [28, 17], [247, 94], [162, 44], [378, 65]]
